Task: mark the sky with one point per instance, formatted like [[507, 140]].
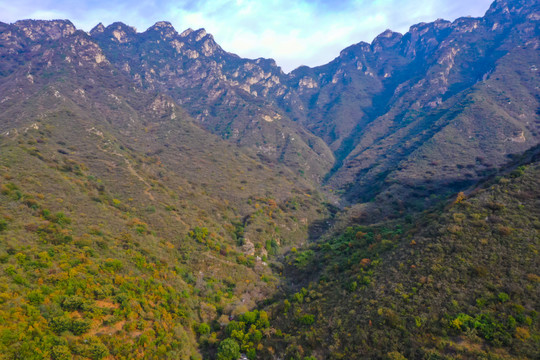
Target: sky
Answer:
[[294, 33]]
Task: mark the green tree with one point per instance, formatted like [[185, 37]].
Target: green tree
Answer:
[[203, 329], [61, 352], [228, 350], [97, 351]]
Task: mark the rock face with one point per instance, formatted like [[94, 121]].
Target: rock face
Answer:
[[390, 111], [230, 96], [45, 30], [439, 106]]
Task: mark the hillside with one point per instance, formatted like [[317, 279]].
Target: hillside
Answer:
[[162, 198], [394, 110], [226, 94], [460, 283], [378, 120], [124, 225]]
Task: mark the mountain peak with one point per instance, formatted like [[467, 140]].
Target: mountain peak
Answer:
[[387, 34], [199, 34], [163, 24], [98, 29], [441, 23], [196, 34], [386, 39], [165, 29], [49, 29], [119, 31], [186, 32], [118, 25], [505, 7]]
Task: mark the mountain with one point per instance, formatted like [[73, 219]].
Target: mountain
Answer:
[[225, 93], [163, 198], [460, 283], [393, 110], [465, 87], [125, 226]]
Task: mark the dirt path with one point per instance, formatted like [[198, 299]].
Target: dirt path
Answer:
[[138, 176], [133, 172]]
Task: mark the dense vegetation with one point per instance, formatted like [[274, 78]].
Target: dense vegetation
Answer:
[[84, 274], [108, 250], [459, 283], [157, 200]]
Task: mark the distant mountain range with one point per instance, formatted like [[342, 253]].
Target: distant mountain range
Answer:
[[159, 163], [388, 112]]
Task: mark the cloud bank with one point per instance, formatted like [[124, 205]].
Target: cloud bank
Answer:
[[294, 33]]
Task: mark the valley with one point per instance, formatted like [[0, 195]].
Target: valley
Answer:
[[162, 198]]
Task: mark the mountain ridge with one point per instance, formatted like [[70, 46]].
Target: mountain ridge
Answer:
[[163, 198], [333, 123]]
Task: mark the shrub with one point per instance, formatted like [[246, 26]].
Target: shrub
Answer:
[[199, 234], [3, 225], [460, 197], [522, 333], [228, 350], [234, 325], [79, 326], [504, 230], [113, 264], [306, 319], [60, 324], [61, 352], [203, 329], [304, 258], [72, 303], [503, 297], [286, 306], [519, 171], [251, 354], [97, 351], [249, 317], [263, 321], [394, 355], [35, 297]]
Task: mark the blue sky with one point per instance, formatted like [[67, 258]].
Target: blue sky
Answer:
[[294, 33]]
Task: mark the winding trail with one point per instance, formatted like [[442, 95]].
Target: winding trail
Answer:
[[133, 172]]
